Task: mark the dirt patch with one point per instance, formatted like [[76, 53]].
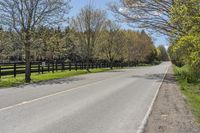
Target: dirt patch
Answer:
[[170, 112]]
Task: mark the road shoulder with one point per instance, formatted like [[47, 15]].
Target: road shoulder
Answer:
[[170, 112]]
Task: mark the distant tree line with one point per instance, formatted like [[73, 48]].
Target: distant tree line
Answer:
[[30, 32], [51, 44]]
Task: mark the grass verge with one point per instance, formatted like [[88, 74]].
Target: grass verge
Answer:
[[190, 90], [9, 81]]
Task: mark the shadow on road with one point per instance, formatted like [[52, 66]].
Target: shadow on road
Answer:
[[55, 81], [169, 78]]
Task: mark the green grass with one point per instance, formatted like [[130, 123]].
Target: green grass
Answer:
[[9, 81], [190, 89]]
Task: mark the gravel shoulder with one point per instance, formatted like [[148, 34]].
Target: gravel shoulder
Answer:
[[170, 113]]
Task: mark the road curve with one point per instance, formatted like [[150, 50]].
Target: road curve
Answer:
[[109, 102]]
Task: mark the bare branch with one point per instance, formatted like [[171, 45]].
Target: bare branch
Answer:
[[150, 14]]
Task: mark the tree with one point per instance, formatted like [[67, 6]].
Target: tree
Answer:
[[6, 45], [2, 40], [111, 45], [149, 14], [140, 47], [88, 25], [24, 15], [185, 49], [163, 55], [131, 53]]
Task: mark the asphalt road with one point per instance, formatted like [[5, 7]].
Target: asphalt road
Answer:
[[109, 102]]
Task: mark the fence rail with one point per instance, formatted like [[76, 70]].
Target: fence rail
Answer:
[[41, 67]]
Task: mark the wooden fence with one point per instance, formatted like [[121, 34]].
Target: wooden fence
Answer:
[[41, 67]]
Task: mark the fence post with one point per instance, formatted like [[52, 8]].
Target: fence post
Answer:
[[84, 66], [0, 71], [76, 66], [53, 67], [122, 65], [92, 65], [89, 65], [56, 66], [70, 67], [14, 70], [30, 68], [48, 67], [42, 69], [80, 65], [39, 68], [63, 66]]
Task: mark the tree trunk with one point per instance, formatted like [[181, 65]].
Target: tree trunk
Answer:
[[88, 52], [28, 60], [111, 64], [87, 64]]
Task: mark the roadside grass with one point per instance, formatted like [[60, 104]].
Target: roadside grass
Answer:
[[10, 81], [190, 89]]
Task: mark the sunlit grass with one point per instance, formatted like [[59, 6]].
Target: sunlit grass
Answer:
[[190, 90], [8, 81]]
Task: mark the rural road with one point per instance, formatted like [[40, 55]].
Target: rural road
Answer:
[[109, 102]]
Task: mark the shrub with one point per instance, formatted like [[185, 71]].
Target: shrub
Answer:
[[188, 73]]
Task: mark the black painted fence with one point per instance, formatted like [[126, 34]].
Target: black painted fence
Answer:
[[41, 67]]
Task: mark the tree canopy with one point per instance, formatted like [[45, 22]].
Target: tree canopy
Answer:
[[29, 33]]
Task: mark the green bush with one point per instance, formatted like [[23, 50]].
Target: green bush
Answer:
[[188, 73]]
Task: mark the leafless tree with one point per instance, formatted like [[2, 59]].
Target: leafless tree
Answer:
[[88, 25], [24, 15], [149, 14]]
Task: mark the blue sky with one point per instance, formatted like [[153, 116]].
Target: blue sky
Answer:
[[102, 4]]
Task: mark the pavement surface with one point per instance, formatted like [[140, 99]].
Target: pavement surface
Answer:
[[109, 102], [171, 113]]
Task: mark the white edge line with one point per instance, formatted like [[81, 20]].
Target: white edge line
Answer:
[[51, 95], [54, 94], [144, 121]]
